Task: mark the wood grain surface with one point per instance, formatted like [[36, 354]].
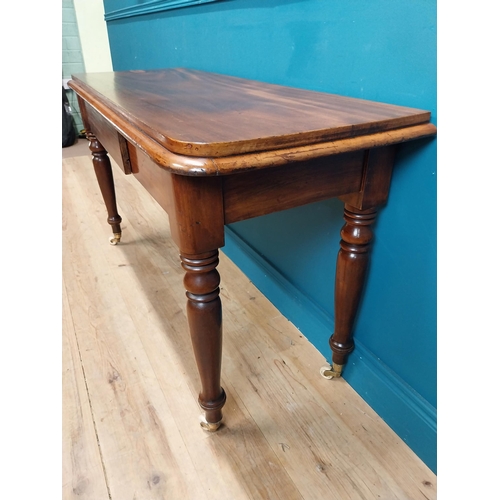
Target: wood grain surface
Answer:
[[195, 113]]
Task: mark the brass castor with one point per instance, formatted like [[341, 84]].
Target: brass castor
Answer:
[[209, 426], [115, 239], [329, 372]]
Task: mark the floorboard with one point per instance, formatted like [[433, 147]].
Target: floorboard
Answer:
[[130, 426]]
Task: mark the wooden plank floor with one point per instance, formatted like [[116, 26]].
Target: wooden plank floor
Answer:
[[130, 385]]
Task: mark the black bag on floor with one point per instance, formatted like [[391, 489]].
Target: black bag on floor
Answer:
[[68, 125]]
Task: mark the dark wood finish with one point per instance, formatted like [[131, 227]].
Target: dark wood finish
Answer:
[[251, 194], [213, 149], [190, 165], [352, 264], [197, 222], [204, 114], [104, 174], [114, 142], [204, 312], [375, 179]]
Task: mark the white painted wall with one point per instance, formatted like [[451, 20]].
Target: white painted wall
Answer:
[[93, 35]]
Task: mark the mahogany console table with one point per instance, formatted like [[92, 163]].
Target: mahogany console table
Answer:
[[214, 149]]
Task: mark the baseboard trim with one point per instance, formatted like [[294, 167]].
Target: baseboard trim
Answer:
[[411, 417]]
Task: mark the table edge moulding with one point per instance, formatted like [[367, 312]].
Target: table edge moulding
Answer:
[[214, 149]]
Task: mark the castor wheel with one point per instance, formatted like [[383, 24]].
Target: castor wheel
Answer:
[[330, 372], [115, 239], [209, 426]]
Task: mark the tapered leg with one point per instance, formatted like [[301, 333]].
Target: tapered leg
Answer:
[[104, 174], [204, 313], [352, 264]]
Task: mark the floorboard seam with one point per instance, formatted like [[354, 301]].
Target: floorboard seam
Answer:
[[92, 414]]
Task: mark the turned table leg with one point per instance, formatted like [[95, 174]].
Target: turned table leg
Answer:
[[352, 264], [104, 174], [204, 313]]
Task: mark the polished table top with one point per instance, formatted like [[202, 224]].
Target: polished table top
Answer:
[[198, 114]]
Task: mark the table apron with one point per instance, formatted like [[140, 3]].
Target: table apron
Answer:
[[254, 193]]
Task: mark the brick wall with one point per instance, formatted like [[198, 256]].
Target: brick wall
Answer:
[[72, 58]]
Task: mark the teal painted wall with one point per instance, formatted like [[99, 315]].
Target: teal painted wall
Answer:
[[383, 50]]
